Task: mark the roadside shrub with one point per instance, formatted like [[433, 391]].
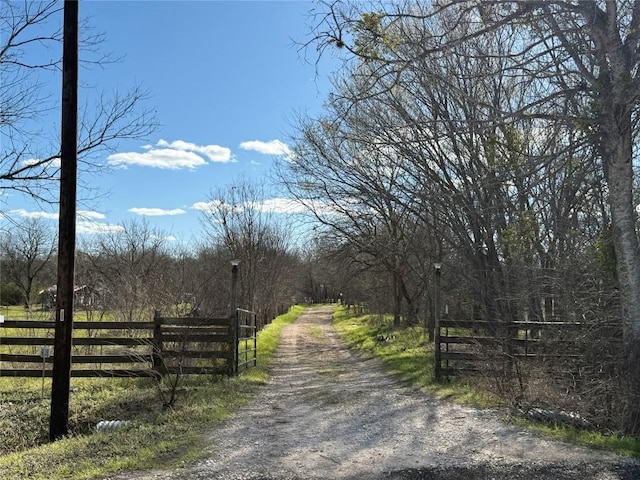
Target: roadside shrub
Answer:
[[10, 294]]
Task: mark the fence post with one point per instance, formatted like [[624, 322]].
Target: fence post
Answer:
[[233, 343], [158, 361], [436, 336], [255, 339], [233, 319]]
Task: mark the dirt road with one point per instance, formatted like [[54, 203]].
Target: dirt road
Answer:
[[329, 414]]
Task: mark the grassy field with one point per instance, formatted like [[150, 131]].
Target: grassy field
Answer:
[[404, 353], [17, 312], [157, 437]]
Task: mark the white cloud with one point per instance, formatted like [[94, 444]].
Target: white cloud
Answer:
[[273, 147], [157, 158], [216, 206], [89, 227], [215, 153], [156, 212], [54, 163], [89, 214], [280, 205], [206, 207], [274, 205], [172, 155], [86, 220], [21, 212]]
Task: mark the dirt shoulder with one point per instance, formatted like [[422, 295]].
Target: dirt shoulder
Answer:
[[329, 414]]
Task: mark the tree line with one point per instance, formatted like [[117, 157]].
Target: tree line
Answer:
[[496, 138], [134, 269]]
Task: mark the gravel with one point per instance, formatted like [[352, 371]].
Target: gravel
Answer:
[[328, 413]]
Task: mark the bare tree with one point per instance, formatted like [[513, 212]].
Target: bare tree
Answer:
[[352, 182], [30, 51], [27, 252], [576, 61], [129, 267], [238, 221]]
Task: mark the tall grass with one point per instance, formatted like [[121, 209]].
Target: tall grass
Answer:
[[155, 438]]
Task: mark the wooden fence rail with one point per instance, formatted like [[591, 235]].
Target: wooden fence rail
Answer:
[[193, 345], [132, 349], [481, 347]]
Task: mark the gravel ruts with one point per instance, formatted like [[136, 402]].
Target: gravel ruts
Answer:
[[328, 414]]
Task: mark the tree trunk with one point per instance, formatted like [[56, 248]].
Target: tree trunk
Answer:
[[619, 169], [397, 302], [618, 166]]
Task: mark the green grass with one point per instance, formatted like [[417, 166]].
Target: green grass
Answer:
[[620, 445], [156, 438], [316, 332], [18, 312], [404, 353]]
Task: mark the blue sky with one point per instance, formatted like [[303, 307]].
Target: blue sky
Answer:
[[226, 81]]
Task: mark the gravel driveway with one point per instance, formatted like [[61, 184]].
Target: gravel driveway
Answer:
[[329, 414]]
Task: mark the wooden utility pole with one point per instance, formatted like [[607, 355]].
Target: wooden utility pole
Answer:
[[59, 420]]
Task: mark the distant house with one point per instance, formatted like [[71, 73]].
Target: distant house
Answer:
[[83, 296]]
